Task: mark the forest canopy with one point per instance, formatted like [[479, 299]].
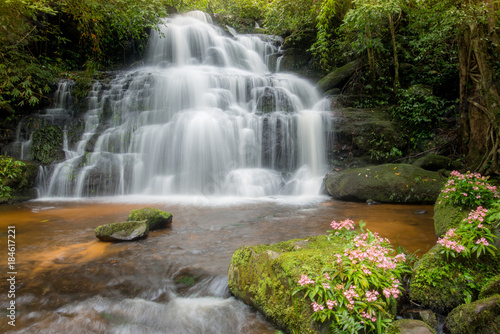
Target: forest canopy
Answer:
[[448, 47]]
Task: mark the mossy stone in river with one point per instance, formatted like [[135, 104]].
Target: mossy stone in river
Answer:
[[125, 231], [155, 218], [388, 183], [410, 326], [481, 316]]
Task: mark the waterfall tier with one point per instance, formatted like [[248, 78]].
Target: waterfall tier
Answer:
[[203, 116]]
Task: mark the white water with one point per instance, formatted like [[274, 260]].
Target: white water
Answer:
[[204, 116]]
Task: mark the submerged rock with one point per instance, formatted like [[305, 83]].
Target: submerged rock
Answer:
[[124, 231], [389, 183], [155, 218], [481, 316]]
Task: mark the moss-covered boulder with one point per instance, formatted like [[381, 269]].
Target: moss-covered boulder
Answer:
[[409, 326], [155, 218], [338, 76], [442, 283], [388, 183], [447, 216], [481, 316], [435, 162], [490, 288], [124, 231], [264, 276]]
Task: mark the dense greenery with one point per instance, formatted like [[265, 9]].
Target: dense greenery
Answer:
[[450, 47]]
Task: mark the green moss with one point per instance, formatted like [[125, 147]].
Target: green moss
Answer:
[[442, 284], [492, 287], [264, 276], [447, 216], [126, 231], [47, 144], [482, 316], [388, 183], [155, 218]]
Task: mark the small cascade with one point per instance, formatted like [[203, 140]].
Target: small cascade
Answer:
[[204, 116]]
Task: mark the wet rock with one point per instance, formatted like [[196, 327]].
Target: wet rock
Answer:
[[481, 316], [124, 231], [155, 218], [429, 318], [408, 326], [447, 216], [389, 183]]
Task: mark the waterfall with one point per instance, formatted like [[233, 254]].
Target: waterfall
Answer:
[[203, 116]]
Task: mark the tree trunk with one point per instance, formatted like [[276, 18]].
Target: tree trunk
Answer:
[[479, 95], [396, 62]]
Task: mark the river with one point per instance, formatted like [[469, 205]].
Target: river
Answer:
[[175, 281]]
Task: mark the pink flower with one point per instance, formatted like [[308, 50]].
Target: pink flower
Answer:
[[305, 280], [317, 307], [326, 285], [331, 304], [482, 241]]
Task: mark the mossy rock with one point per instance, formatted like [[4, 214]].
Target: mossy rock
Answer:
[[155, 218], [264, 277], [490, 288], [481, 316], [389, 183], [435, 162], [447, 216], [338, 76], [124, 231], [410, 326], [442, 283]]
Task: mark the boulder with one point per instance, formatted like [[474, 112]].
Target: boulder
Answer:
[[447, 216], [442, 283], [409, 326], [338, 77], [481, 316], [262, 277], [388, 183], [435, 162], [124, 231], [490, 288], [155, 218]]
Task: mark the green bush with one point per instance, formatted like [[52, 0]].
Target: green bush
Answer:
[[9, 169], [46, 144]]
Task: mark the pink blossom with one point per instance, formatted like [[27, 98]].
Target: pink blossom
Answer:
[[331, 304], [482, 241], [326, 285], [317, 307], [305, 280]]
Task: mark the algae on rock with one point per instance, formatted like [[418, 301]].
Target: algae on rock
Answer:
[[155, 218]]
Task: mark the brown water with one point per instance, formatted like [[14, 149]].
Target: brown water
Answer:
[[69, 282]]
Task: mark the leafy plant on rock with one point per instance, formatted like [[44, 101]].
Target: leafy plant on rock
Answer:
[[357, 290]]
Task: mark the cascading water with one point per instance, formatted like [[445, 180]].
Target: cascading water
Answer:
[[203, 116]]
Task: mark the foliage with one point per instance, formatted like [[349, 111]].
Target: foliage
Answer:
[[356, 291], [419, 112], [469, 190], [472, 236], [46, 142], [247, 9], [9, 169], [285, 16]]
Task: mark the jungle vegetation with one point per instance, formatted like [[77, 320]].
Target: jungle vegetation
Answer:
[[448, 48]]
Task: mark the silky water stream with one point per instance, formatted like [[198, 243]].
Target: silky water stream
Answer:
[[204, 130]]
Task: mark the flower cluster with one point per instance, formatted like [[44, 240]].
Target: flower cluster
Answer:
[[361, 282], [344, 225], [473, 235], [449, 242], [468, 190]]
